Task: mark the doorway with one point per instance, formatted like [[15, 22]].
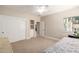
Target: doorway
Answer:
[[37, 28], [40, 29]]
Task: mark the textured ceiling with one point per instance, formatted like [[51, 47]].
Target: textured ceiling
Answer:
[[32, 9]]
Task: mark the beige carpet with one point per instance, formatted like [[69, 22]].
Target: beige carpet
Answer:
[[34, 45]]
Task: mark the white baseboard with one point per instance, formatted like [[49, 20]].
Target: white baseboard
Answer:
[[51, 37]]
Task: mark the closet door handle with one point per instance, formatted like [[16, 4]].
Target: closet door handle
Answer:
[[2, 32]]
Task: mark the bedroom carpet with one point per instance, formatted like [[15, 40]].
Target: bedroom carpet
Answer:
[[34, 45]]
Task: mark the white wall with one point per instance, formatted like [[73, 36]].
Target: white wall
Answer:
[[14, 28], [54, 23], [42, 28]]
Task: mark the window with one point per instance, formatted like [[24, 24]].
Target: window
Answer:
[[71, 24], [32, 24]]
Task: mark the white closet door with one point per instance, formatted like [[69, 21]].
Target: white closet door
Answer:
[[1, 26], [13, 28]]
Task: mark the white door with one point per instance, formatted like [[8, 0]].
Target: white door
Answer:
[[1, 27], [13, 28], [42, 28]]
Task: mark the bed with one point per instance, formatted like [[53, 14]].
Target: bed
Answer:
[[65, 45]]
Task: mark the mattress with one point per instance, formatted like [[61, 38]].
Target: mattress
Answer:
[[65, 45]]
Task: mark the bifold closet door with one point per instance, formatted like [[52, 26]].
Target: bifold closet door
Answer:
[[13, 27]]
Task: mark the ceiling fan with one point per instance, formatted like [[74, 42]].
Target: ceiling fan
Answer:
[[41, 9]]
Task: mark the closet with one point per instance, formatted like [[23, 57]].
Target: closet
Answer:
[[13, 28]]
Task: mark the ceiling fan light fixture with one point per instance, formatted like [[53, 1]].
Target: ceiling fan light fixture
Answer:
[[41, 9]]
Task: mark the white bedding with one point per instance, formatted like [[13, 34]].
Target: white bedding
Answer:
[[66, 45]]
